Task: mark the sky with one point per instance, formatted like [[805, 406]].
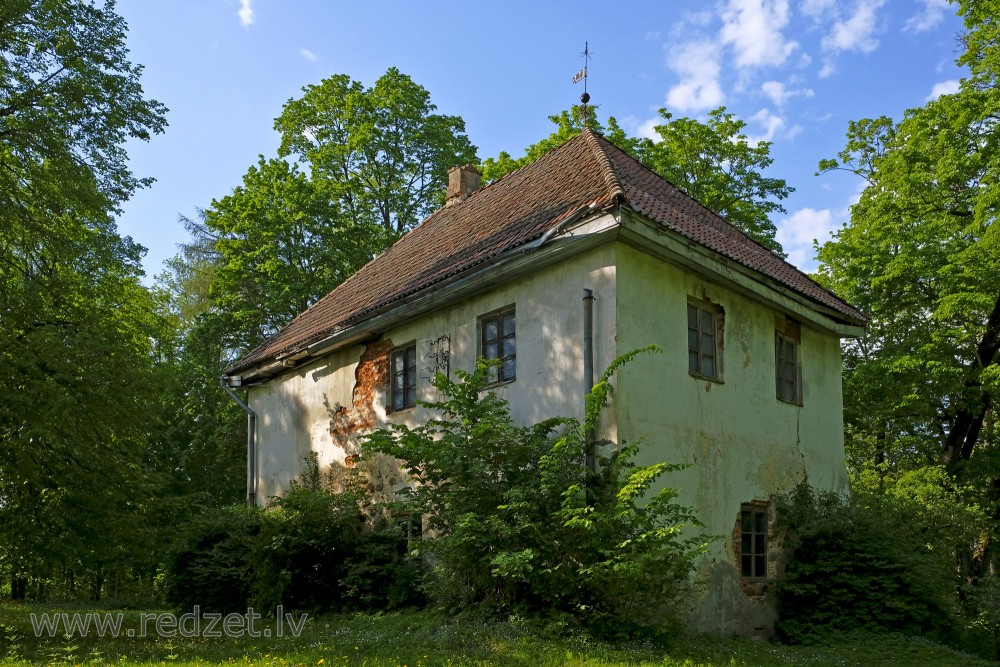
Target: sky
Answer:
[[796, 72]]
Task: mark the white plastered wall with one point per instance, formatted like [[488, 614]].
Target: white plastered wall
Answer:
[[742, 444], [312, 408]]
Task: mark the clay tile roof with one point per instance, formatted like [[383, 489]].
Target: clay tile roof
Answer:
[[514, 210]]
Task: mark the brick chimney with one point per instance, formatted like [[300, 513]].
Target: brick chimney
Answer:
[[462, 182]]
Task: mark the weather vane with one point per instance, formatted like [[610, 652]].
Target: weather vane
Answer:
[[582, 74]]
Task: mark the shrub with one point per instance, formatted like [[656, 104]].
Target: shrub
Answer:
[[317, 552], [310, 549], [522, 525], [859, 567], [209, 564]]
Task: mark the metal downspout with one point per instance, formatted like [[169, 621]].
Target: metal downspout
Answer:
[[251, 443], [588, 365]]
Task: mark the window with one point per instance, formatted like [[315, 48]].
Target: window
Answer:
[[498, 342], [704, 340], [753, 542], [403, 364], [787, 372]]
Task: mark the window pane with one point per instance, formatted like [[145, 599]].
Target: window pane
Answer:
[[692, 340], [411, 395], [707, 344], [411, 357], [747, 569], [490, 350], [707, 322], [509, 347], [692, 317], [747, 546], [708, 366], [397, 362], [490, 329], [745, 521], [397, 382], [760, 566], [508, 324], [759, 522], [760, 544], [509, 369]]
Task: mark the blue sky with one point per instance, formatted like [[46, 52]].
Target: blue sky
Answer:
[[796, 72]]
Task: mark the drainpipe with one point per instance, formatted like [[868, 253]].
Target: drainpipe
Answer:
[[588, 364], [251, 444]]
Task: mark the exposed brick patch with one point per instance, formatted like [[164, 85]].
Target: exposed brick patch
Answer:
[[372, 374]]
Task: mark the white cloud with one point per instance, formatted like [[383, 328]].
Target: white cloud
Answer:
[[770, 122], [780, 94], [753, 29], [857, 31], [645, 129], [246, 12], [817, 8], [943, 88], [829, 67], [309, 55], [931, 15], [653, 34], [697, 65], [797, 232]]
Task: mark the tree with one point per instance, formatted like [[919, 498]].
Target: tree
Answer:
[[380, 153], [714, 162], [78, 328], [718, 165], [281, 244], [921, 256]]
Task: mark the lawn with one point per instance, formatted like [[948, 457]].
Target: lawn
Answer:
[[419, 639]]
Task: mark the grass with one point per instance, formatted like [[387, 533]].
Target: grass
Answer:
[[424, 639]]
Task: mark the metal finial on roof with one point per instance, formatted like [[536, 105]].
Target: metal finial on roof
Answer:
[[582, 74]]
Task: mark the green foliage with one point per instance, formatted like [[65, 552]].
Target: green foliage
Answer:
[[282, 243], [921, 256], [430, 639], [380, 153], [714, 162], [310, 549], [209, 564], [79, 333], [862, 565], [520, 523], [717, 164]]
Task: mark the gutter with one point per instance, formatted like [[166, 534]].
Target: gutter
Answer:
[[251, 443]]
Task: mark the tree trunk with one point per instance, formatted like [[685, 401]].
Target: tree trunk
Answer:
[[968, 422]]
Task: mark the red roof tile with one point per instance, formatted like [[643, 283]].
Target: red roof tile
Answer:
[[513, 210]]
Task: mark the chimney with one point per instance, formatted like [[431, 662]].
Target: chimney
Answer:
[[462, 182]]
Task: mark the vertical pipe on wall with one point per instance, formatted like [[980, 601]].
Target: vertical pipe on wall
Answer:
[[588, 363], [251, 443]]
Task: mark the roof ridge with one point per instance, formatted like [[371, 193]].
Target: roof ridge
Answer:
[[611, 178]]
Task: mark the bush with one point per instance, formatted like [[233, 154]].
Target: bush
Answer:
[[317, 552], [522, 525], [209, 564], [859, 567], [310, 549]]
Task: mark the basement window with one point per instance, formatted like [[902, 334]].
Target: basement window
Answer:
[[704, 339], [403, 366], [498, 341], [753, 541]]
